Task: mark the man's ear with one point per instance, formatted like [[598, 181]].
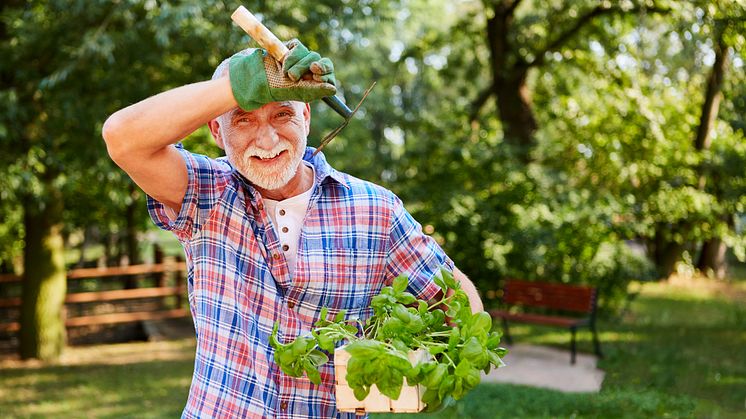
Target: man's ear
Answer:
[[307, 117], [215, 130]]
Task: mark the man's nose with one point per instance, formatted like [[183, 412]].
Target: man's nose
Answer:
[[266, 137]]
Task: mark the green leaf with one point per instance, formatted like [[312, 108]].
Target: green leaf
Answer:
[[438, 318], [365, 348], [312, 372], [391, 383], [400, 284], [273, 342], [434, 377], [472, 379], [318, 358], [325, 342], [422, 307], [481, 321], [401, 313], [474, 352], [493, 341], [430, 397], [458, 388], [454, 338], [298, 347], [463, 368], [446, 386], [361, 392], [324, 315], [495, 359], [398, 344], [438, 279], [434, 350], [413, 375], [453, 309], [340, 316], [448, 278], [406, 298]]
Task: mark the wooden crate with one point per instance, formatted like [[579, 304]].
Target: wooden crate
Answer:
[[409, 401]]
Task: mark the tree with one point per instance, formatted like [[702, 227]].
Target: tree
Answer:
[[519, 42], [65, 67]]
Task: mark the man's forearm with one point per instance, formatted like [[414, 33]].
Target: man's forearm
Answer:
[[158, 121], [471, 291]]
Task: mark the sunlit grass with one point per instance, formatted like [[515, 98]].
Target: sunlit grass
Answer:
[[105, 381]]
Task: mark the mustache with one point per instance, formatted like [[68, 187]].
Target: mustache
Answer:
[[254, 151]]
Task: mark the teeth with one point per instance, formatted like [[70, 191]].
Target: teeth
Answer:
[[269, 155]]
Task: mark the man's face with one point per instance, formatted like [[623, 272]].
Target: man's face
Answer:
[[265, 145]]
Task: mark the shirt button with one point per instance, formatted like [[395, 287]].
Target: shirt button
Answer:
[[260, 207], [284, 229], [276, 256], [285, 247], [282, 212], [284, 406], [291, 304]]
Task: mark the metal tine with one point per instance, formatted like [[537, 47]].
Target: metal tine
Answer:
[[329, 137]]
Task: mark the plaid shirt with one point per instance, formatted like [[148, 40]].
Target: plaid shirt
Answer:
[[356, 238]]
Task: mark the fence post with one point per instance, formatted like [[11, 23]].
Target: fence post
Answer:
[[180, 283], [159, 277]]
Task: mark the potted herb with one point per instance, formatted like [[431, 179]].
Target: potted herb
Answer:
[[439, 348]]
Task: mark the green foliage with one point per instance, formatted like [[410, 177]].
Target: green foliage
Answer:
[[617, 106], [459, 345]]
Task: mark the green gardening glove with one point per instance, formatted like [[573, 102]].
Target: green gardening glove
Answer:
[[257, 79]]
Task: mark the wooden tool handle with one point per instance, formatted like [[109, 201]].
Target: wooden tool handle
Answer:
[[266, 39]]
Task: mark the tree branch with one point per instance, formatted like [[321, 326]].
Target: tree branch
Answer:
[[513, 6], [569, 33], [565, 36]]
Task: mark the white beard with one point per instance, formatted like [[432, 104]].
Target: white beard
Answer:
[[276, 176]]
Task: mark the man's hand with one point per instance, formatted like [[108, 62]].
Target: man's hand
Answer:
[[257, 79], [299, 60]]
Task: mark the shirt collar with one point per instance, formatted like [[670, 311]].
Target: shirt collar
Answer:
[[323, 169]]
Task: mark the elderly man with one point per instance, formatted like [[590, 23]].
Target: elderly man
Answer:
[[270, 232]]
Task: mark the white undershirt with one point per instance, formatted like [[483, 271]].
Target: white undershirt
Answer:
[[287, 216]]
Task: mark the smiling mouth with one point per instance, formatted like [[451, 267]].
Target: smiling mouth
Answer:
[[269, 159]]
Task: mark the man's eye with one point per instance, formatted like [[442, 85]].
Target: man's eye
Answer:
[[284, 114]]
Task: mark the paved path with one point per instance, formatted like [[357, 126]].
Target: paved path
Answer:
[[541, 366]]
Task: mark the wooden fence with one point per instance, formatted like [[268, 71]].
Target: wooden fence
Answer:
[[161, 289]]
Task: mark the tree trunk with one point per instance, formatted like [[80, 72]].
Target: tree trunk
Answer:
[[664, 252], [712, 258], [509, 84], [42, 332], [516, 114]]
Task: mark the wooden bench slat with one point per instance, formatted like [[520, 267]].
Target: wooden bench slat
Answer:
[[540, 319], [553, 296]]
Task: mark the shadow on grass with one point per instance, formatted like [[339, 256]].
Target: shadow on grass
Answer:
[[143, 390], [683, 350], [512, 401]]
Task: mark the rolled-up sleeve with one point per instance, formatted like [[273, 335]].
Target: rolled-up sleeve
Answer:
[[415, 254], [207, 179]]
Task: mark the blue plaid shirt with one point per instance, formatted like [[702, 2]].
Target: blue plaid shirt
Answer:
[[356, 238]]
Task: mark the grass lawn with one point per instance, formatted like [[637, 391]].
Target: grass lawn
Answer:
[[679, 351]]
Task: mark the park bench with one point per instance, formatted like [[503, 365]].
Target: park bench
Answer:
[[550, 304]]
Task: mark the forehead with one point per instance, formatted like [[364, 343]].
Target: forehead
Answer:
[[269, 107]]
